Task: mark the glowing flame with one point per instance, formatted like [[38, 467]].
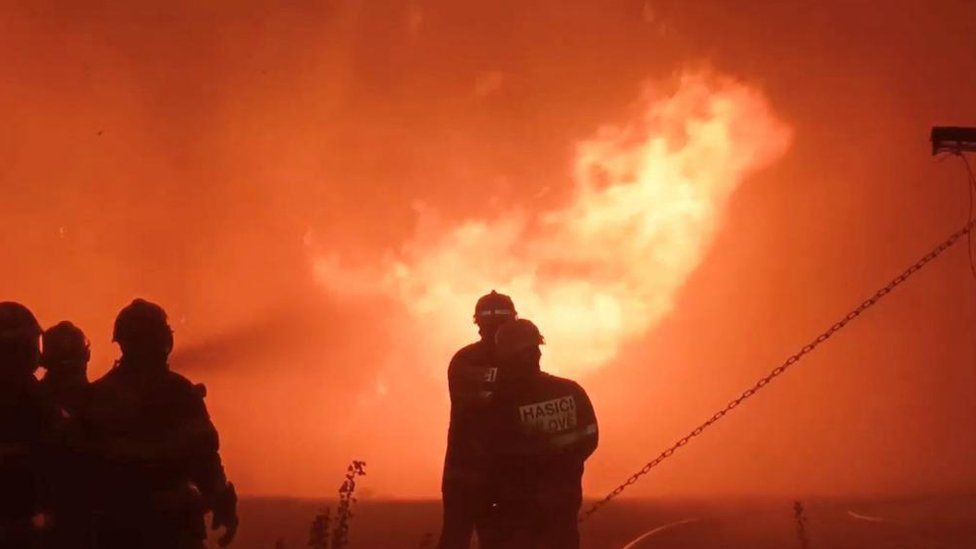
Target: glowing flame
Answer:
[[647, 198]]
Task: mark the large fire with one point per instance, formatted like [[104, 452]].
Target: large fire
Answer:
[[180, 154], [647, 198]]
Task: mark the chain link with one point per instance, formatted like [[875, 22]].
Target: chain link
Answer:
[[779, 370]]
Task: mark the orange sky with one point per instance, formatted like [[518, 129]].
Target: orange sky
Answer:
[[207, 157]]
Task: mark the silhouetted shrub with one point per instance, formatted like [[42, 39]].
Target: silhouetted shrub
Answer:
[[347, 498], [318, 536]]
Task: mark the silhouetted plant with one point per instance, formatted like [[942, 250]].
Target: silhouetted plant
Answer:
[[347, 498], [318, 535], [801, 525]]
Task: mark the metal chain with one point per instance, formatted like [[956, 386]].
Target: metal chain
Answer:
[[779, 370]]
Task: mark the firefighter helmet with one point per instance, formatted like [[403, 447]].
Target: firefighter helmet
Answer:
[[19, 336], [17, 322], [494, 306], [517, 336], [64, 344], [142, 328]]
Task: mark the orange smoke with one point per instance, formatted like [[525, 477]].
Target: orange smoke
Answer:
[[647, 198]]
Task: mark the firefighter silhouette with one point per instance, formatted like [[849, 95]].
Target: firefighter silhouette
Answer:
[[157, 469], [542, 429], [471, 378], [26, 421], [66, 467]]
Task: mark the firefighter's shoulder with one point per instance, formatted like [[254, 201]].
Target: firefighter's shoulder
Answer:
[[108, 380], [180, 384], [556, 383], [106, 390], [474, 353]]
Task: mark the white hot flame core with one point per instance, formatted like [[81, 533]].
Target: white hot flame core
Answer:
[[647, 199]]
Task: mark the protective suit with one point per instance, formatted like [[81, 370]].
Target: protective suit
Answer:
[[26, 423], [67, 466], [471, 379], [542, 430], [157, 468]]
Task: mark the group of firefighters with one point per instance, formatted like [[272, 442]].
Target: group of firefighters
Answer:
[[131, 460], [517, 440], [128, 461]]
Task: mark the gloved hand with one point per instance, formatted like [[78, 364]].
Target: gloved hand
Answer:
[[225, 514]]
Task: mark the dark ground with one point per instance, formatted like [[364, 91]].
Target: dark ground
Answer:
[[917, 522]]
